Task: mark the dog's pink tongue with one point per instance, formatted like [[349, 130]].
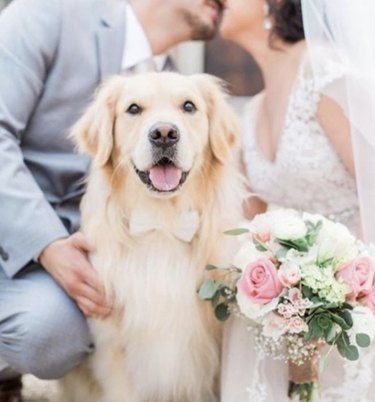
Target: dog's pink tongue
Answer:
[[165, 178]]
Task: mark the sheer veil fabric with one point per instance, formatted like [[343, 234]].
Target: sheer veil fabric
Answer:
[[345, 29]]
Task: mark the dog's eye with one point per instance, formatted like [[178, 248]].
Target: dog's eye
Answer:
[[134, 109], [189, 107]]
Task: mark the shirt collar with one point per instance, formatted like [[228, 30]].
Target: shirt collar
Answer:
[[136, 46]]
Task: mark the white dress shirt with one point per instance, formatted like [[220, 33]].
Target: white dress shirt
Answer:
[[137, 49]]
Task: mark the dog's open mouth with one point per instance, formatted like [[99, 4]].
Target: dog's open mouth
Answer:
[[163, 177]]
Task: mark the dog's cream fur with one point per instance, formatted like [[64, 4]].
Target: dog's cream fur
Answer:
[[162, 343]]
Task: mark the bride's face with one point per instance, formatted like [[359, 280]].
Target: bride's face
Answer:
[[241, 18]]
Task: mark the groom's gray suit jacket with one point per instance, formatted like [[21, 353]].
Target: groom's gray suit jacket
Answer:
[[53, 54]]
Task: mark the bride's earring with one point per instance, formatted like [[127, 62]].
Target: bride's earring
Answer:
[[267, 23]]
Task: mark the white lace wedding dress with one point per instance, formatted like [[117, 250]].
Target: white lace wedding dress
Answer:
[[308, 175]]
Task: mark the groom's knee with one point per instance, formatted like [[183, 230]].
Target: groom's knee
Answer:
[[46, 339]]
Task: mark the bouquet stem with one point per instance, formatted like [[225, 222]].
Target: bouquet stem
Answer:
[[303, 380]]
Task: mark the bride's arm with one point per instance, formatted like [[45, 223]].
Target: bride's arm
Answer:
[[337, 127], [253, 205]]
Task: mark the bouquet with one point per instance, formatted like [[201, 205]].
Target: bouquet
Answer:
[[305, 282]]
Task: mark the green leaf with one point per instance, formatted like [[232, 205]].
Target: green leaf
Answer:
[[326, 263], [331, 334], [299, 245], [341, 347], [347, 306], [338, 320], [259, 245], [307, 292], [222, 312], [281, 253], [215, 300], [345, 315], [236, 232], [208, 289], [211, 267], [352, 353], [363, 340]]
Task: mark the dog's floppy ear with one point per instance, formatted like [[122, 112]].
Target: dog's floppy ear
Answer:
[[223, 122], [93, 133]]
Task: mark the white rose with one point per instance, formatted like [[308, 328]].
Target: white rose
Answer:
[[363, 323], [302, 258], [335, 240], [287, 225], [260, 223], [245, 255], [255, 311], [247, 308]]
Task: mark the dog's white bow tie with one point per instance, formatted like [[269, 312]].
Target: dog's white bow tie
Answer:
[[184, 226]]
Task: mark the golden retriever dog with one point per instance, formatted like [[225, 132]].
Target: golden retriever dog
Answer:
[[163, 186]]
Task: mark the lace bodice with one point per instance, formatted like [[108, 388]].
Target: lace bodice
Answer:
[[307, 174]]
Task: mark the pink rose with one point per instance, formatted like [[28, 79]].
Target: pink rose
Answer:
[[289, 274], [358, 274], [259, 282], [369, 300]]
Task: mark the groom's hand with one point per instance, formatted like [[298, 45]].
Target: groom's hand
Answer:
[[67, 262]]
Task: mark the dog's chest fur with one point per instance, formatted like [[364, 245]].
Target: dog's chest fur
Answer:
[[163, 332]]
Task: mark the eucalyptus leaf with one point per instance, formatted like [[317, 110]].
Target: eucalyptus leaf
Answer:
[[363, 340], [211, 267], [236, 232], [222, 312], [259, 245], [341, 347], [281, 253], [352, 353], [208, 289]]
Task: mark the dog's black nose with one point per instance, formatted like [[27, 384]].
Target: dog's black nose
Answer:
[[164, 135]]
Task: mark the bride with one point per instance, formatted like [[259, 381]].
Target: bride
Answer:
[[297, 153]]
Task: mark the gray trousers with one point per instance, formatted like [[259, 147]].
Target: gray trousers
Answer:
[[42, 331]]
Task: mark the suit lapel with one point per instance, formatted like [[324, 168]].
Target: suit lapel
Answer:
[[110, 37]]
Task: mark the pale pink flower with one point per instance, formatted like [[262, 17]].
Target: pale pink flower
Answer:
[[289, 274], [274, 326], [259, 282], [286, 310], [294, 295], [358, 274], [263, 237], [369, 300], [297, 325]]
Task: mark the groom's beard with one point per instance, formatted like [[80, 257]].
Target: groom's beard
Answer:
[[200, 30]]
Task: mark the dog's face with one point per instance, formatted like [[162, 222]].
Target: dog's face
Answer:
[[162, 127]]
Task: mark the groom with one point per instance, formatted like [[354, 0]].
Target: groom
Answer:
[[53, 54]]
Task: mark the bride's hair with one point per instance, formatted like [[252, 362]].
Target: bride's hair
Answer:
[[288, 21]]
